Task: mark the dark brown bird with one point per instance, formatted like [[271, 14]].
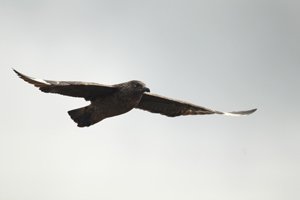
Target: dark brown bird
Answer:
[[111, 100]]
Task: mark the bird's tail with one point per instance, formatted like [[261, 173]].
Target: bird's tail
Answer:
[[82, 116]]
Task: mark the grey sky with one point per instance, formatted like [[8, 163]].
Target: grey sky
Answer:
[[226, 55]]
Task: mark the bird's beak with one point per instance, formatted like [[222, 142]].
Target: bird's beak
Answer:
[[146, 89]]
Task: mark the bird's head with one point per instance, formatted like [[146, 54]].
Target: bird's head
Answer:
[[138, 86]]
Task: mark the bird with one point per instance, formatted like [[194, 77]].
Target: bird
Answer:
[[112, 100]]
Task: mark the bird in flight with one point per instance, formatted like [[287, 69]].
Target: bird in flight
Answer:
[[112, 100]]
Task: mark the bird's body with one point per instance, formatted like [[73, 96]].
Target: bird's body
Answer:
[[122, 101], [112, 100]]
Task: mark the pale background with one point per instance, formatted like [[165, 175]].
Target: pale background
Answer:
[[223, 54]]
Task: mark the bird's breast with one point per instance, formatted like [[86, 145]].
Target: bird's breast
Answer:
[[116, 104]]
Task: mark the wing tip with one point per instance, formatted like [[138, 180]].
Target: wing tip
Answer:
[[18, 73], [36, 82], [239, 113]]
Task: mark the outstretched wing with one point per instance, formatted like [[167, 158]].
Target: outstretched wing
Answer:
[[170, 107], [86, 90]]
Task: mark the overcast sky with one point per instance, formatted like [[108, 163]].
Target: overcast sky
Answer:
[[222, 54]]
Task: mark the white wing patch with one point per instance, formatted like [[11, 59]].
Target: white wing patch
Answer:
[[232, 114], [40, 80]]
